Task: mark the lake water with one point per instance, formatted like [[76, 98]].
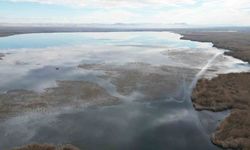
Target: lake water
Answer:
[[155, 113]]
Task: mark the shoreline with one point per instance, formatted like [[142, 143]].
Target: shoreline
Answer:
[[47, 147], [227, 91], [236, 42], [6, 30], [8, 34], [1, 56]]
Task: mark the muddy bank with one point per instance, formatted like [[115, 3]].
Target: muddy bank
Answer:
[[7, 34], [128, 82], [46, 147], [237, 42], [141, 81], [227, 91], [67, 93]]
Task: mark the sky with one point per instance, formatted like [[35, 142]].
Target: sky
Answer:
[[193, 12]]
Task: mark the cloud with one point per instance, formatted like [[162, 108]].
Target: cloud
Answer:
[[219, 12], [111, 3]]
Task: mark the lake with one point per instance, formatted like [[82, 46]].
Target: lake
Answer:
[[136, 87]]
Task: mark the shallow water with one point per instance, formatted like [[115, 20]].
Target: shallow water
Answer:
[[161, 117]]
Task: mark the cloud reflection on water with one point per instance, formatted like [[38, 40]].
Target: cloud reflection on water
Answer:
[[162, 123]]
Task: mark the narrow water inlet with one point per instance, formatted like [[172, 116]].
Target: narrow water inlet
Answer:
[[203, 70], [187, 90]]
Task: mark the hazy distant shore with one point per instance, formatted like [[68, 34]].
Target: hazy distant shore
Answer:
[[227, 91], [47, 147], [13, 30], [6, 30], [6, 34], [1, 56]]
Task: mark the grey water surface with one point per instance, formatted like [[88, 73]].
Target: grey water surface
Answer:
[[36, 61]]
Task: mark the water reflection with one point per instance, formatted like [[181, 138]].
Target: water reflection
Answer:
[[43, 40], [150, 72], [160, 125]]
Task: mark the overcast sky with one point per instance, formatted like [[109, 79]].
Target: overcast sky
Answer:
[[195, 12]]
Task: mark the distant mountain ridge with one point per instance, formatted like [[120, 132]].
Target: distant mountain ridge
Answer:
[[101, 25]]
